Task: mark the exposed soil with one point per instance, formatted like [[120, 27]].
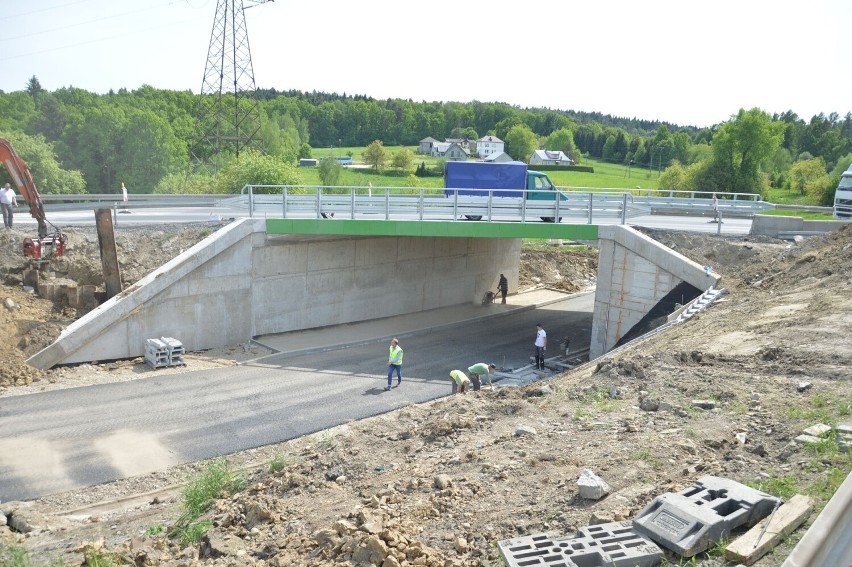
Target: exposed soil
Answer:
[[440, 483]]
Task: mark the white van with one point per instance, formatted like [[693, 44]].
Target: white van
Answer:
[[843, 196]]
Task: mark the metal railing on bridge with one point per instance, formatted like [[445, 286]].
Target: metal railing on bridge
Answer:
[[289, 201], [583, 204], [730, 204]]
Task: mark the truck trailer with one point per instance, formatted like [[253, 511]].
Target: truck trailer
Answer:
[[499, 180]]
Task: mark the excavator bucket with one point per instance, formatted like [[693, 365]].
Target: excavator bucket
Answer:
[[45, 248]]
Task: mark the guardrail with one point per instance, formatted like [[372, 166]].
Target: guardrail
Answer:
[[432, 204], [575, 202], [135, 200], [688, 202]]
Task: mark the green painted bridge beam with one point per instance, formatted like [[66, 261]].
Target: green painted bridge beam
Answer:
[[464, 229]]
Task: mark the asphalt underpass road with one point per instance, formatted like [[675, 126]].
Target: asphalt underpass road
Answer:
[[66, 439]]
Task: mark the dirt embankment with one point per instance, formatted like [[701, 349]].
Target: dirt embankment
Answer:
[[440, 483]]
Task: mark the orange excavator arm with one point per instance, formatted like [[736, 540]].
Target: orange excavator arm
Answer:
[[23, 179]]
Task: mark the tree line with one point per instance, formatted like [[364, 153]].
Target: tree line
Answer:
[[78, 141]]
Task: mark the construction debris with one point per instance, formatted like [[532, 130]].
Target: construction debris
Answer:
[[764, 536]]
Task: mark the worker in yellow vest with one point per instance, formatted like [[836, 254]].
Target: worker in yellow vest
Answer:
[[460, 381], [394, 363]]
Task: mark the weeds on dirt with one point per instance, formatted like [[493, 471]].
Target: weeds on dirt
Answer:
[[326, 440], [825, 447], [718, 550], [151, 531], [198, 496], [102, 558], [649, 457], [820, 410], [738, 407], [825, 486], [582, 414], [822, 489], [599, 396], [14, 556], [783, 487], [191, 533], [278, 463]]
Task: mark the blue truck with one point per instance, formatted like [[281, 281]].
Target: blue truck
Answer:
[[499, 180]]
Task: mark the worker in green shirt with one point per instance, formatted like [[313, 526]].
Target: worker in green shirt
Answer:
[[477, 371]]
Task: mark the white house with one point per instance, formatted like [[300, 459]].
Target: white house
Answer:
[[426, 145], [550, 157], [487, 145]]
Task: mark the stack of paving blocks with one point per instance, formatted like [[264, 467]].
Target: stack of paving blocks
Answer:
[[165, 351]]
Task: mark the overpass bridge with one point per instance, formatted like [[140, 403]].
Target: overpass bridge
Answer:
[[257, 277]]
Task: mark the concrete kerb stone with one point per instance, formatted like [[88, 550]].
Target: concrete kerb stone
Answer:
[[410, 333]]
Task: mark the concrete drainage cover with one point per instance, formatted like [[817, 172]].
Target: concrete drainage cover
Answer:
[[604, 545], [694, 519]]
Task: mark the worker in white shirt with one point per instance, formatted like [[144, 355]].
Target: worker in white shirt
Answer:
[[7, 201]]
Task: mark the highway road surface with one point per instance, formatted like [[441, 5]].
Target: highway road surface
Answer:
[[65, 439]]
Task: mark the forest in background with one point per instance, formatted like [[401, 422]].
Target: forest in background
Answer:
[[76, 141]]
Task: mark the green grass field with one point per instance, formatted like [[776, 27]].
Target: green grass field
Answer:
[[605, 176]]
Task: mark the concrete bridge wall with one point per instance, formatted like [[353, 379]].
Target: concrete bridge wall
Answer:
[[301, 282], [239, 283], [634, 273]]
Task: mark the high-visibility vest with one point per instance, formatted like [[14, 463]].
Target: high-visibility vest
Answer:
[[395, 355], [459, 377]]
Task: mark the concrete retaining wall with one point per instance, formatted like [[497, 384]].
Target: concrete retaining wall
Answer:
[[301, 282], [239, 283], [634, 273], [775, 226]]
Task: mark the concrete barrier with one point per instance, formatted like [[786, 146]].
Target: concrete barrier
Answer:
[[777, 226]]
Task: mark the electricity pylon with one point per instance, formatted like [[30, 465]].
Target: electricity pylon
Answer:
[[228, 116]]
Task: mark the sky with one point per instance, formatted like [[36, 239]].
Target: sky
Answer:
[[678, 61]]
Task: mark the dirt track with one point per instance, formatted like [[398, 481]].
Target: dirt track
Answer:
[[441, 483]]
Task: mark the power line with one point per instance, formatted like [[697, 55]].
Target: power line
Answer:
[[97, 40], [9, 17], [74, 25]]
